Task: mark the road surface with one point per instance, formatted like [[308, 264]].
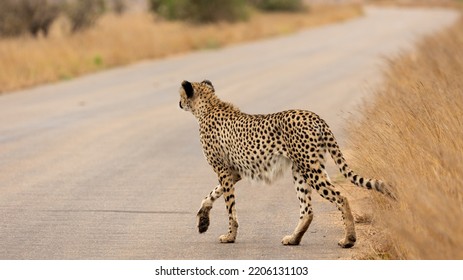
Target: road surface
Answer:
[[108, 167]]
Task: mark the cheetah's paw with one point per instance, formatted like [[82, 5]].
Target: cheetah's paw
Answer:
[[227, 238], [347, 242], [290, 240]]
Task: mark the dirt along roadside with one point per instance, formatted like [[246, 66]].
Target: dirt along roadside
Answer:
[[108, 167]]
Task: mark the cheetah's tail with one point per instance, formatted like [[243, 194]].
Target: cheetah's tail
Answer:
[[336, 154]]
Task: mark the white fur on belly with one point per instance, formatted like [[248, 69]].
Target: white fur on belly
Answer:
[[268, 171]]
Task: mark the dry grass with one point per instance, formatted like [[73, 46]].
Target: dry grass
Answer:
[[119, 40], [412, 137]]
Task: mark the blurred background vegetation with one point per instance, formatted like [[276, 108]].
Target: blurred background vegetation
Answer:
[[49, 40], [200, 11], [44, 41], [19, 17]]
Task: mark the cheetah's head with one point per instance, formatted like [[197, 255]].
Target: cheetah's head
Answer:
[[192, 94]]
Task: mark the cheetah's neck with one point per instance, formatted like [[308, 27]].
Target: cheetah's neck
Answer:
[[211, 104]]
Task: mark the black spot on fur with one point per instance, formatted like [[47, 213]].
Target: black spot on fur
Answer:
[[231, 207], [368, 185]]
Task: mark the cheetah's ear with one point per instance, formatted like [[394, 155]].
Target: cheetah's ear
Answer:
[[188, 88], [209, 84]]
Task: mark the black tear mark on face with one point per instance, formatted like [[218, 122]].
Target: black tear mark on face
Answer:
[[188, 88]]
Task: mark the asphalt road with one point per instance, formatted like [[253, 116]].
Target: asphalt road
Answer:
[[108, 167]]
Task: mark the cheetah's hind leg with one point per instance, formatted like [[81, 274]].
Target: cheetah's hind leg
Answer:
[[329, 192], [305, 206]]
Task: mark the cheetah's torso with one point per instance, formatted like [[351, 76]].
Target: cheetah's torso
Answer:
[[257, 147]]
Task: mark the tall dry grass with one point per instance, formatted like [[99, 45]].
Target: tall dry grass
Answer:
[[119, 40], [412, 137]]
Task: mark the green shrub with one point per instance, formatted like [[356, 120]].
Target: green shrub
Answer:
[[169, 9], [200, 11], [83, 13], [278, 5], [218, 10]]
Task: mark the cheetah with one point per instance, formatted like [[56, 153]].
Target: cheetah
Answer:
[[260, 147]]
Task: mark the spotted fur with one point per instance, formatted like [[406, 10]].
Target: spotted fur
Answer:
[[260, 147]]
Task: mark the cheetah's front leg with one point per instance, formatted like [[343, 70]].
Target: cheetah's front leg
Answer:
[[229, 196], [206, 206]]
